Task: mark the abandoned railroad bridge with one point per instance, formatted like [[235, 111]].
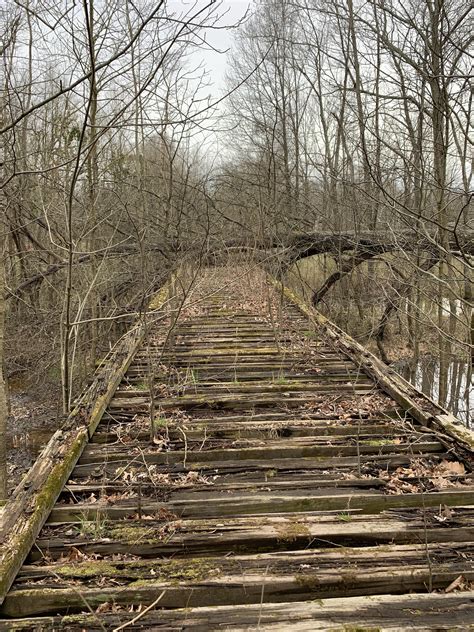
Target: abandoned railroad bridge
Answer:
[[240, 463]]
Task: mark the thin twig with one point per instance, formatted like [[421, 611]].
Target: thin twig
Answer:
[[140, 614]]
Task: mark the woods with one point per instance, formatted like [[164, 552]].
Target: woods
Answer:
[[236, 315], [100, 186], [357, 119], [337, 152]]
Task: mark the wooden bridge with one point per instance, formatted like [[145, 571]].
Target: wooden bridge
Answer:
[[239, 463]]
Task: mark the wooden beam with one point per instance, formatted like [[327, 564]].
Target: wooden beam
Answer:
[[23, 516], [431, 611]]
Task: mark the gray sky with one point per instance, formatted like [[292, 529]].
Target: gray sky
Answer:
[[216, 66], [216, 63]]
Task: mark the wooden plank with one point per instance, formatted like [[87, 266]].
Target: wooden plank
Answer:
[[304, 562], [216, 503], [387, 462], [238, 400], [395, 613], [285, 449], [205, 582], [247, 481], [271, 532], [211, 389], [108, 432]]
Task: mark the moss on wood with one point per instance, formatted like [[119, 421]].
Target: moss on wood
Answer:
[[291, 531]]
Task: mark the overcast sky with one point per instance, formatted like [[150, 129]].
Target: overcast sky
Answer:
[[233, 11], [215, 64]]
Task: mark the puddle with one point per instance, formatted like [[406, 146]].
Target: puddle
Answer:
[[460, 394], [30, 426]]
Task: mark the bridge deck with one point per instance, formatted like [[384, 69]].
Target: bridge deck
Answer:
[[283, 489]]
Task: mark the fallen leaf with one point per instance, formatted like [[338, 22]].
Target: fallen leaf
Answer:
[[457, 583], [452, 467]]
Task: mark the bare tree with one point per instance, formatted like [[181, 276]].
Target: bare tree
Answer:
[[384, 148]]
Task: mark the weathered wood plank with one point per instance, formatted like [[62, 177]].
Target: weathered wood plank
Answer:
[[238, 504], [286, 450], [394, 613], [304, 562], [177, 537], [201, 582], [108, 432], [388, 462]]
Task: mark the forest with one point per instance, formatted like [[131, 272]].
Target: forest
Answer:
[[336, 153]]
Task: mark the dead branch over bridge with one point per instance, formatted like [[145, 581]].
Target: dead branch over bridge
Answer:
[[293, 246], [240, 463], [377, 242], [286, 248]]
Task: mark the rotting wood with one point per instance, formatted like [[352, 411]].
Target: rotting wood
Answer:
[[31, 502], [288, 451], [257, 534], [239, 505], [387, 462], [327, 559], [204, 583], [282, 476], [450, 613]]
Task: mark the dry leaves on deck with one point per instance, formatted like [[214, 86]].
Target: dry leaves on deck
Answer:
[[421, 476]]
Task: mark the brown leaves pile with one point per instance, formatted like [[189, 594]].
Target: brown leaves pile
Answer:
[[341, 407], [160, 479], [421, 476]]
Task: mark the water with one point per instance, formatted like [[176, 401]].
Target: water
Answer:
[[425, 376], [30, 426]]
